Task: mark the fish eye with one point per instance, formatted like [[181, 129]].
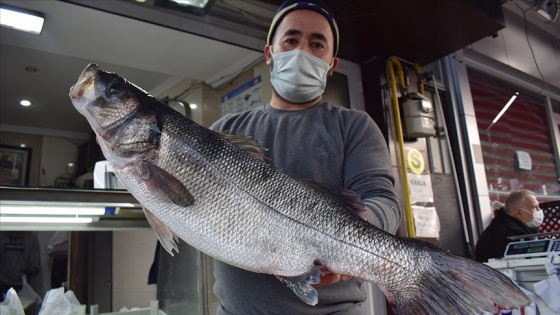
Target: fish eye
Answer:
[[113, 90]]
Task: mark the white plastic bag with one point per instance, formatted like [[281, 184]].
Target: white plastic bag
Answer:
[[548, 291], [11, 303], [59, 303], [27, 295]]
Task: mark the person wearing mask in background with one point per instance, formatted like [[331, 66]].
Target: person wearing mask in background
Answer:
[[20, 255], [309, 139], [521, 215]]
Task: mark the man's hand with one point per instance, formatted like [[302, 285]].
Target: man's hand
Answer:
[[328, 278]]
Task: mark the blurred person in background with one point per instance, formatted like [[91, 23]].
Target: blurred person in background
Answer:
[[520, 215], [20, 255]]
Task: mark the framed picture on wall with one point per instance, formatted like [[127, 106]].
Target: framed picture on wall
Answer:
[[15, 163]]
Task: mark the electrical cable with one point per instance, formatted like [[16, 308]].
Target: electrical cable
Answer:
[[531, 48], [259, 20]]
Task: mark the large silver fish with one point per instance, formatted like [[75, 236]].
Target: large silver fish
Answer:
[[195, 184]]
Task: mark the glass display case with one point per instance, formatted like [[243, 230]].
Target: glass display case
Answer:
[[184, 281]]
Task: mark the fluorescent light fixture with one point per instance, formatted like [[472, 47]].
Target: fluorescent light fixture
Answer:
[[50, 210], [198, 7], [62, 204], [192, 3], [40, 219], [15, 211], [193, 106], [22, 20], [508, 104]]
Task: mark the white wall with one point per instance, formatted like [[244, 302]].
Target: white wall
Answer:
[[511, 47], [133, 253], [56, 154]]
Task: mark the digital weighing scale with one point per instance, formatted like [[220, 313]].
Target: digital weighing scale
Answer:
[[525, 258], [534, 248]]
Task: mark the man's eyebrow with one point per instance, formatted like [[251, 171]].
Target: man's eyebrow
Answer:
[[292, 32], [319, 36]]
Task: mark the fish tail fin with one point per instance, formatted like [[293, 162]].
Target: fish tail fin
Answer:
[[450, 284]]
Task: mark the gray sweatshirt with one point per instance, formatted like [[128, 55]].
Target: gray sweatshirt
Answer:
[[326, 144]]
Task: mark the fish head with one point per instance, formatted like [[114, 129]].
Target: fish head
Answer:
[[105, 99]]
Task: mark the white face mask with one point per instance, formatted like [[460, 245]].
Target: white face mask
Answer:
[[538, 217], [298, 76]]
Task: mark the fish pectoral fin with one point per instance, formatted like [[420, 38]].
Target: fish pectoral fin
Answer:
[[166, 186], [165, 236], [301, 285]]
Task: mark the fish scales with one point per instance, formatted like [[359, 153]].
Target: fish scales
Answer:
[[195, 184], [230, 179], [275, 193]]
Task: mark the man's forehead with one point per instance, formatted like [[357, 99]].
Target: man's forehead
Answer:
[[300, 19], [532, 200]]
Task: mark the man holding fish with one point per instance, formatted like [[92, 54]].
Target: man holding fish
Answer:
[[309, 139], [284, 236]]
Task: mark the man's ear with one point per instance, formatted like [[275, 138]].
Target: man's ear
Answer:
[[333, 67], [267, 55]]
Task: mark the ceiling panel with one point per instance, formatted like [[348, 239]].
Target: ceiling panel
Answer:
[[420, 31], [157, 48], [152, 56]]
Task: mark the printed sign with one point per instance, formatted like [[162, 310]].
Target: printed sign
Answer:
[[420, 188], [426, 221], [524, 160], [415, 161], [245, 97]]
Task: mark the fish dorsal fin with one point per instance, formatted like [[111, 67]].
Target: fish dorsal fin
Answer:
[[166, 186], [245, 143], [349, 198], [165, 236]]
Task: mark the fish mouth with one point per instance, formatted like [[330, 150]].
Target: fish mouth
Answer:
[[85, 82]]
